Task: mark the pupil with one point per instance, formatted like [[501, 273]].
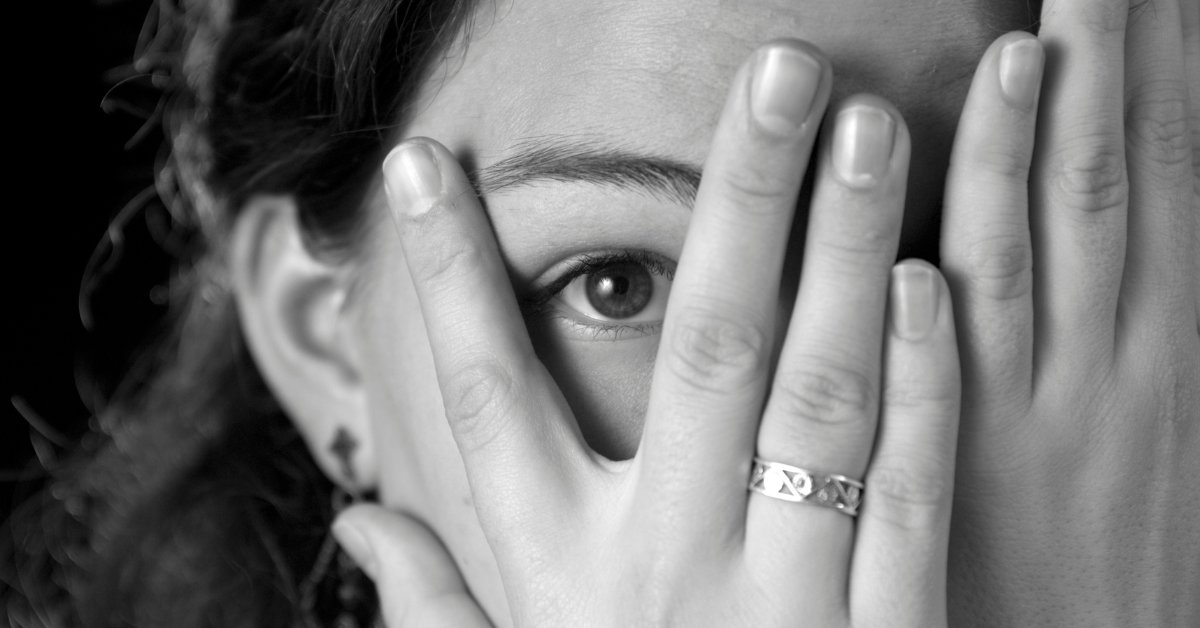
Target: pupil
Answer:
[[620, 290]]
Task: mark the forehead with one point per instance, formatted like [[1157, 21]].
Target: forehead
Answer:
[[652, 75]]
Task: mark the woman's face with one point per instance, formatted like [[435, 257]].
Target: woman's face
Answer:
[[588, 123]]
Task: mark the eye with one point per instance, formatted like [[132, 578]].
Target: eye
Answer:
[[626, 291], [611, 293]]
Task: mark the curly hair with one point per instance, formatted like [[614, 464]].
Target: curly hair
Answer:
[[196, 503]]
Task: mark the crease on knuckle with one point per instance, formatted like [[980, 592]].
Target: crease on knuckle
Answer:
[[1156, 122], [999, 267], [856, 248], [933, 397], [714, 353], [914, 504], [1003, 160], [1091, 178], [478, 399], [453, 259], [1196, 162], [826, 393]]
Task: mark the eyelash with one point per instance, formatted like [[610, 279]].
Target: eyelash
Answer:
[[539, 302]]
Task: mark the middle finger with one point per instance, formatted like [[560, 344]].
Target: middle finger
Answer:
[[710, 375]]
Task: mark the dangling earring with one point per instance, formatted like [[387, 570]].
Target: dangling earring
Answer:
[[336, 592], [343, 447]]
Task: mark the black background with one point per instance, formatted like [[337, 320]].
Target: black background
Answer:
[[70, 172]]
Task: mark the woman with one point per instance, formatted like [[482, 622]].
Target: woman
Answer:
[[604, 474]]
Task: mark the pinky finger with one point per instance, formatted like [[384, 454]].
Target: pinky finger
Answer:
[[898, 572], [986, 250]]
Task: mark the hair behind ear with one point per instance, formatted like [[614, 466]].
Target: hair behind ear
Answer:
[[174, 512]]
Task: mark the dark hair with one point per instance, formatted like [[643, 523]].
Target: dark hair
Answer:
[[196, 503]]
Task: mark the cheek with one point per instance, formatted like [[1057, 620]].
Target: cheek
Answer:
[[607, 385]]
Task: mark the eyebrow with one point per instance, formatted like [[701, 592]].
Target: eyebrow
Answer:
[[570, 159]]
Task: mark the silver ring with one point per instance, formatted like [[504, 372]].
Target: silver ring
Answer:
[[793, 484]]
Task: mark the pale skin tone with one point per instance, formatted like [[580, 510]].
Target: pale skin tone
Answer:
[[1069, 242]]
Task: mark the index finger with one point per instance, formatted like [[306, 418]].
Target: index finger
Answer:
[[510, 422]]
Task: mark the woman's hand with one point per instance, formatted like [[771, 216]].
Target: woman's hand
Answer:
[[864, 386], [1073, 252], [418, 583]]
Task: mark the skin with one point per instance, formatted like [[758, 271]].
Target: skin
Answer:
[[1058, 341], [639, 76], [636, 75]]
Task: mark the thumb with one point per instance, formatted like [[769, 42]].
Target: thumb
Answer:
[[417, 580]]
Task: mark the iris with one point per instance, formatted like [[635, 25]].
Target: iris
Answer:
[[620, 290]]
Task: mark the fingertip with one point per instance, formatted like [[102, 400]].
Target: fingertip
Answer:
[[412, 178], [352, 529], [917, 300], [1020, 67], [373, 536], [790, 83], [869, 143]]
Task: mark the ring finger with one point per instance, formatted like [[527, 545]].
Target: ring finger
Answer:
[[823, 406]]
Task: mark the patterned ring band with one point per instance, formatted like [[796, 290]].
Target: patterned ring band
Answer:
[[793, 484]]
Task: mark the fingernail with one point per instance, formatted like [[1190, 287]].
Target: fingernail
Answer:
[[1021, 63], [412, 178], [356, 546], [784, 89], [863, 138], [914, 300]]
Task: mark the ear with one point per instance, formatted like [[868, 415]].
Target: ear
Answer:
[[293, 310]]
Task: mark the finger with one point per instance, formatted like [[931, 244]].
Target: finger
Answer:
[[503, 409], [1079, 188], [823, 404], [904, 525], [986, 251], [710, 376], [417, 580], [1190, 18], [1157, 289]]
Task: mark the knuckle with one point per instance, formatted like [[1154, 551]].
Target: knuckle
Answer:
[[1091, 178], [912, 502], [999, 267], [824, 392], [1156, 123], [714, 353], [477, 399]]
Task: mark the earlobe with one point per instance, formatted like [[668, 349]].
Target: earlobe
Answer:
[[294, 314]]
